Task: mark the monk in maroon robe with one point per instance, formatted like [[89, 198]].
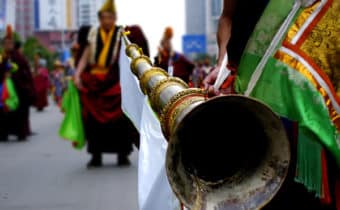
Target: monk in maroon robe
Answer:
[[107, 129], [175, 63], [41, 82], [17, 122]]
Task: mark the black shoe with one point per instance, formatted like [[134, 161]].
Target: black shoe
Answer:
[[3, 138], [123, 160], [95, 162], [33, 134], [21, 138]]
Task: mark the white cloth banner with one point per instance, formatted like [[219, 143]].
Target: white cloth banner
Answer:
[[132, 96], [154, 191]]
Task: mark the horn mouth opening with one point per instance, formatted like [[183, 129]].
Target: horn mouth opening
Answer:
[[222, 140]]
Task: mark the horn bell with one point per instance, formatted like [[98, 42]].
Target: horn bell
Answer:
[[230, 152]]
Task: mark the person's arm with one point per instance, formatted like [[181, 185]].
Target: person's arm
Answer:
[[81, 67], [224, 29], [223, 37]]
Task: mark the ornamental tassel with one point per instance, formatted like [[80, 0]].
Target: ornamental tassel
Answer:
[[326, 195], [309, 162]]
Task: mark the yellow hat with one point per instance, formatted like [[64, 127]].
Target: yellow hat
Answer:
[[108, 6], [58, 63]]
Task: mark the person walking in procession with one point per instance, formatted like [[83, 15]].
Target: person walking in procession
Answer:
[[17, 122], [175, 63], [42, 84], [107, 129]]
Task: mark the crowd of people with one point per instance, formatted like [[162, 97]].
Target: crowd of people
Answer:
[[33, 85], [94, 69]]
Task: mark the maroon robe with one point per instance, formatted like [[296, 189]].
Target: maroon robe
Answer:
[[107, 128], [18, 120], [41, 82], [182, 67]]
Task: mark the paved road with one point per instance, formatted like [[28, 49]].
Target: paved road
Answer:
[[46, 173]]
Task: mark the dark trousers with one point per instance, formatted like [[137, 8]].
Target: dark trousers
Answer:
[[3, 124], [112, 137], [18, 122]]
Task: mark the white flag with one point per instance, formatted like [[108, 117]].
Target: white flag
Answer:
[[154, 191]]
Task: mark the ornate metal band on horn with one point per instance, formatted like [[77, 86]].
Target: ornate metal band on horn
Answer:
[[166, 93]]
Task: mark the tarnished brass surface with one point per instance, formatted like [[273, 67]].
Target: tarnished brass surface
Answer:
[[133, 48], [147, 76], [137, 60], [161, 86]]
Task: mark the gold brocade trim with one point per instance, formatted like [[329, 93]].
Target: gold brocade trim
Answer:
[[302, 69], [300, 21], [138, 60], [323, 44], [171, 104], [160, 86], [145, 78]]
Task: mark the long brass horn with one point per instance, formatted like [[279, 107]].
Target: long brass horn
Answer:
[[229, 152]]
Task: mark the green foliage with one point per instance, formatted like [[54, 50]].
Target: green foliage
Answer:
[[32, 46], [17, 37]]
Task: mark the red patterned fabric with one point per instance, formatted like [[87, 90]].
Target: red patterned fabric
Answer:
[[326, 198]]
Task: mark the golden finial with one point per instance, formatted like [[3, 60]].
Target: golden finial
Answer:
[[126, 33]]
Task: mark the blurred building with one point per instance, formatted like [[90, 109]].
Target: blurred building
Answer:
[[55, 21], [24, 17], [202, 19], [7, 14], [10, 12], [55, 41], [87, 11], [195, 16]]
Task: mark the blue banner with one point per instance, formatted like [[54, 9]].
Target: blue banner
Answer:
[[194, 44], [65, 55]]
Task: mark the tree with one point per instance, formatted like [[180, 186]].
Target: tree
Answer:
[[32, 46]]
